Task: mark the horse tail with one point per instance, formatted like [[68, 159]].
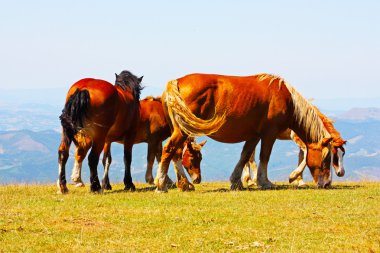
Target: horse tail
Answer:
[[74, 114], [182, 116]]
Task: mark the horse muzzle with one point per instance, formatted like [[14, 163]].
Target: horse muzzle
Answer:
[[197, 180]]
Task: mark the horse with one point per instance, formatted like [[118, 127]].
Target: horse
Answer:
[[338, 152], [97, 113], [233, 109], [153, 129]]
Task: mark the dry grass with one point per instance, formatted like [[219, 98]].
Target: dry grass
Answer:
[[33, 218]]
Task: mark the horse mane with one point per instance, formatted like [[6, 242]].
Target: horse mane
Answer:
[[151, 98], [126, 80], [329, 125], [189, 123], [306, 114]]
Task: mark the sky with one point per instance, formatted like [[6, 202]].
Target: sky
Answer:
[[325, 49]]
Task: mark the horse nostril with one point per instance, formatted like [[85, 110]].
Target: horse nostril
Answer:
[[197, 180], [340, 174]]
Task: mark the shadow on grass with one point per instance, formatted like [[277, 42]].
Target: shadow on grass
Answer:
[[283, 187], [144, 189], [279, 187]]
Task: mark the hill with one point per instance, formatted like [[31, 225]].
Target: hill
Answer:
[[33, 218], [31, 156]]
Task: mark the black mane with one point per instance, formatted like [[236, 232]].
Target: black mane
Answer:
[[126, 80]]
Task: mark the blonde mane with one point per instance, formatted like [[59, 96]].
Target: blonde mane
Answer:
[[186, 120], [306, 114], [329, 125]]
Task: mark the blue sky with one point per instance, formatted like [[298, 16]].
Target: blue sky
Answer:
[[326, 49]]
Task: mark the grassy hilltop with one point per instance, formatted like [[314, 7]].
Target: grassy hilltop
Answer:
[[33, 218]]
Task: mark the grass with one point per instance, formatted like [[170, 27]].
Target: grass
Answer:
[[33, 218]]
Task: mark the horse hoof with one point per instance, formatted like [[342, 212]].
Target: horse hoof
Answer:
[[95, 187], [266, 186], [184, 185], [251, 184], [130, 188], [149, 180], [302, 186], [107, 187], [161, 190], [63, 189], [79, 184], [236, 186]]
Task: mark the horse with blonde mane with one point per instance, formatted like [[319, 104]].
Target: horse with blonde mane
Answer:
[[233, 109], [98, 113], [153, 129], [337, 148]]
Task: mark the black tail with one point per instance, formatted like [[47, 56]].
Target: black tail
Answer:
[[74, 114]]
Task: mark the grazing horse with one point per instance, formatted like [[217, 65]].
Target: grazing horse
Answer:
[[233, 109], [97, 113], [152, 129], [338, 152]]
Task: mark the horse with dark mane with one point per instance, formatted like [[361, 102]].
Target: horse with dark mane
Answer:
[[153, 129], [97, 113], [233, 109]]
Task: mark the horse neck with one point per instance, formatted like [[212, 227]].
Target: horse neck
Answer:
[[327, 122]]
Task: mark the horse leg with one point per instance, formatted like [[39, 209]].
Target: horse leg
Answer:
[[80, 154], [128, 144], [182, 182], [296, 174], [235, 177], [107, 160], [176, 140], [262, 171], [63, 155], [152, 151], [93, 160], [249, 167], [169, 182]]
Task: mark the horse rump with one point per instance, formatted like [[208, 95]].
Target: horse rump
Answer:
[[74, 114]]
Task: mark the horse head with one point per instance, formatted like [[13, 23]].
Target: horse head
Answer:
[[338, 152], [318, 159], [128, 81], [192, 157]]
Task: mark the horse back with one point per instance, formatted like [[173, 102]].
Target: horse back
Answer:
[[152, 123], [250, 102]]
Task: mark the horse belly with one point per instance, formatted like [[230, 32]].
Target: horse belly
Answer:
[[238, 129]]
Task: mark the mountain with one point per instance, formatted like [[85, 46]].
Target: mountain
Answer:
[[361, 114], [31, 156]]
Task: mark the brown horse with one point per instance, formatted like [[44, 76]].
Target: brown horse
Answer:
[[98, 113], [338, 152], [232, 109], [152, 129]]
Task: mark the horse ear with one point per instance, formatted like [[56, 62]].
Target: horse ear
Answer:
[[202, 143], [140, 79], [116, 75], [326, 141]]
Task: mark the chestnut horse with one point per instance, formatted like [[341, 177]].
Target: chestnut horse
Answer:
[[152, 129], [232, 109], [338, 152], [98, 113]]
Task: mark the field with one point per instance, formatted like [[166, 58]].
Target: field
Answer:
[[33, 218]]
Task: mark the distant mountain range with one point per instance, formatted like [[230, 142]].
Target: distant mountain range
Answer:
[[30, 135]]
